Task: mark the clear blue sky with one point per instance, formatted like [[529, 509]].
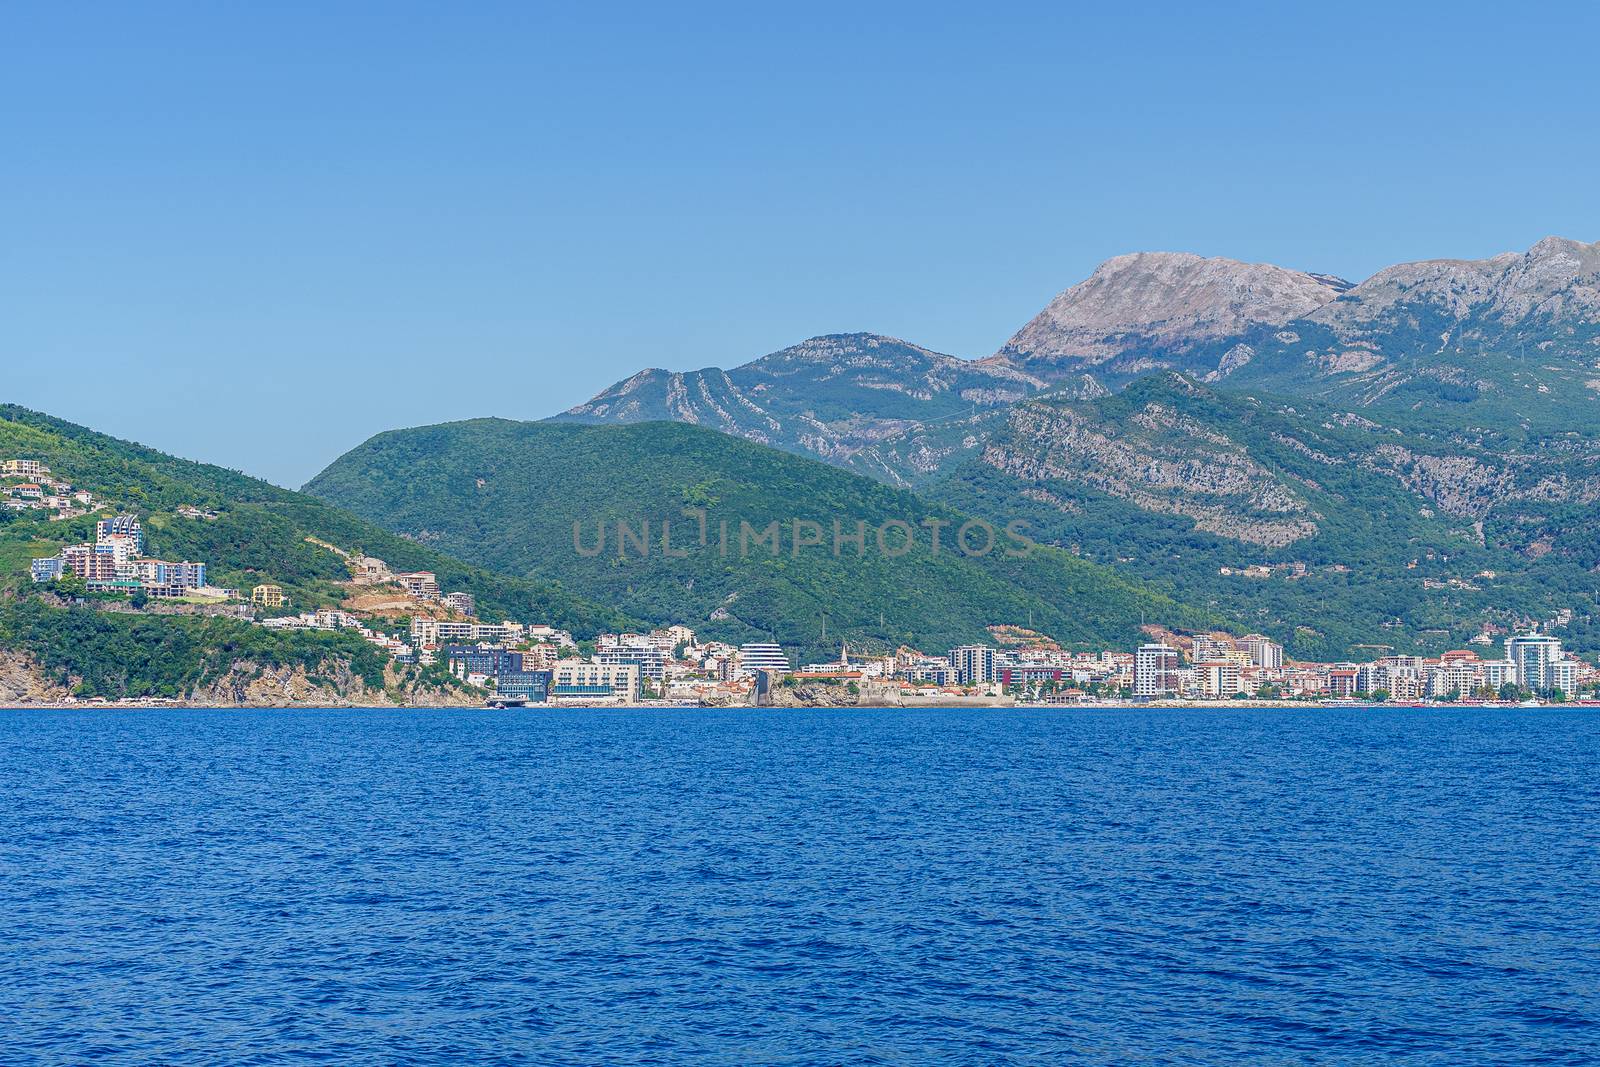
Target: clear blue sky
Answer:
[[256, 234]]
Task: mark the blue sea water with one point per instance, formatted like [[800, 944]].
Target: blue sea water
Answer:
[[751, 887]]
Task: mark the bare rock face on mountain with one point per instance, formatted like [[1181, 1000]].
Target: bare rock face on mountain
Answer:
[[1556, 278], [1145, 310], [1512, 339], [829, 396], [1155, 456]]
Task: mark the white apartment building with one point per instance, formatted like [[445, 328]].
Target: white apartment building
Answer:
[[1155, 671], [1264, 652], [1564, 677], [763, 656], [1532, 657]]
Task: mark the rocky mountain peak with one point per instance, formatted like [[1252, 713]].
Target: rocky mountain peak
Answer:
[[1155, 302], [871, 348], [1557, 277]]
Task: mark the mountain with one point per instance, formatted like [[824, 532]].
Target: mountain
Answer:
[[1510, 343], [1556, 283], [831, 396], [1149, 309], [533, 499], [248, 532], [1325, 528], [1444, 408]]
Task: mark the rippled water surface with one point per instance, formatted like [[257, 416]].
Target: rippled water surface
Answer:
[[817, 887]]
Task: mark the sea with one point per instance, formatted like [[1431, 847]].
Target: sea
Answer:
[[970, 886]]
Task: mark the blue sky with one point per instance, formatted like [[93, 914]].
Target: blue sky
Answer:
[[257, 234]]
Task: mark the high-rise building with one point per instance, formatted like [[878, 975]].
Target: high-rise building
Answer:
[[1155, 671], [121, 526], [1219, 678], [1264, 652], [974, 664], [1532, 657], [763, 656], [1499, 672], [1564, 677]]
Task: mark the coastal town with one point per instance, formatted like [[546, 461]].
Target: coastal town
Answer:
[[415, 621]]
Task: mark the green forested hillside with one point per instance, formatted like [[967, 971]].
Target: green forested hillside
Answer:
[[116, 654], [259, 534], [510, 493], [260, 531]]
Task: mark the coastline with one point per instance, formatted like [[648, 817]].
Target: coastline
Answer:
[[142, 704]]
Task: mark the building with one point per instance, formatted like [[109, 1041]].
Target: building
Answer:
[[651, 659], [486, 661], [465, 603], [542, 634], [1264, 652], [1342, 681], [1372, 678], [1218, 678], [974, 664], [530, 685], [47, 570], [763, 656], [1029, 674], [151, 571], [1458, 673], [369, 569], [1155, 671], [424, 631], [186, 574], [670, 637], [92, 563], [579, 680], [505, 633], [268, 596], [1564, 677], [23, 468], [1498, 673], [121, 526], [1532, 659], [1406, 687], [424, 585]]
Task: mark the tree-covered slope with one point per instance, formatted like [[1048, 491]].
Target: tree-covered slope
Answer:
[[260, 533], [253, 533], [1373, 534], [512, 493]]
